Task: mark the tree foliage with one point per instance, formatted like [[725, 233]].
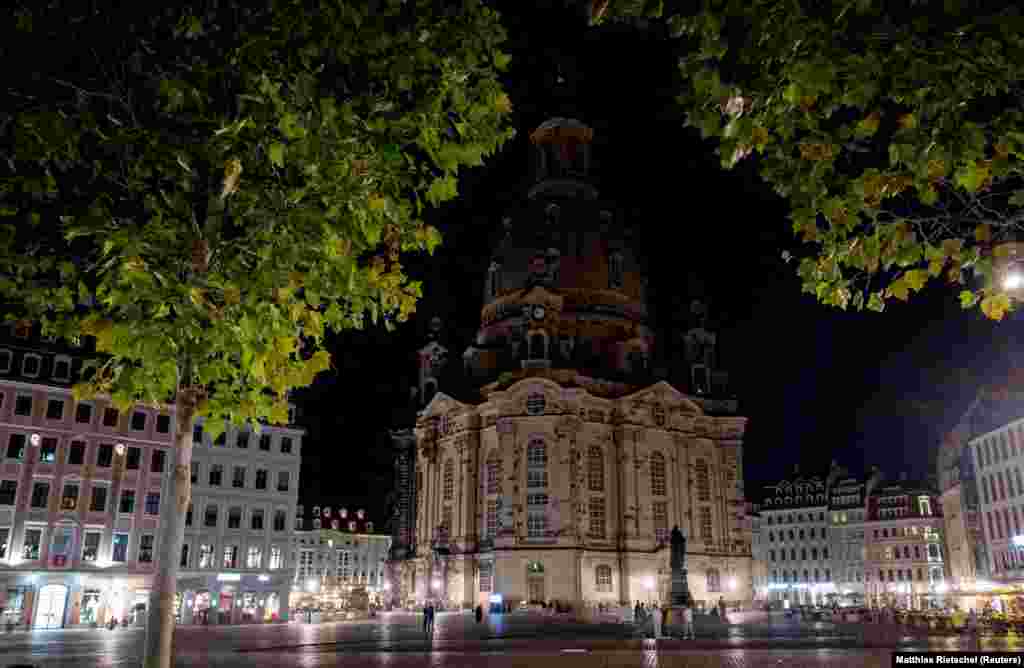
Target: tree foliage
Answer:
[[893, 128], [207, 188]]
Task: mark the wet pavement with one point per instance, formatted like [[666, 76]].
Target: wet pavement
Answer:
[[532, 641]]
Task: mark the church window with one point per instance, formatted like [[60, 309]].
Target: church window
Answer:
[[661, 521], [714, 583], [445, 425], [597, 517], [615, 270], [449, 480], [537, 524], [658, 474], [658, 414], [603, 578], [536, 463], [706, 532], [446, 521], [493, 474], [492, 518], [535, 403], [486, 575], [703, 480], [595, 469]]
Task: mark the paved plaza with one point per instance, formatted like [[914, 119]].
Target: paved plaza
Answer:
[[531, 641]]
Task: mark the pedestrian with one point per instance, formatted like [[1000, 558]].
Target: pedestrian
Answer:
[[636, 612], [426, 617], [721, 607], [656, 619], [688, 623], [479, 613]]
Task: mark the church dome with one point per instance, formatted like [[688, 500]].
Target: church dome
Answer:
[[564, 292]]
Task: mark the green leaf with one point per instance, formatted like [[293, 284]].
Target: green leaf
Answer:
[[501, 60], [968, 298], [276, 153]]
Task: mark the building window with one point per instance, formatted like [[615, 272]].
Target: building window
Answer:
[[492, 518], [256, 520], [265, 442], [16, 446], [535, 403], [183, 562], [30, 364], [33, 539], [238, 478], [48, 450], [210, 516], [536, 524], [282, 481], [595, 469], [5, 361], [661, 521], [235, 518], [163, 423], [206, 556], [597, 517], [242, 440], [138, 422], [280, 520], [276, 558], [658, 474], [105, 455], [486, 576], [127, 501], [615, 270], [83, 413], [23, 405], [216, 475], [254, 557], [714, 583], [230, 556], [55, 409], [158, 461], [603, 578], [449, 479], [98, 503], [925, 506], [110, 416], [153, 503], [133, 459], [76, 453], [69, 497], [119, 551], [188, 516], [261, 478], [146, 549], [40, 494], [493, 474], [286, 445], [706, 532], [446, 521], [91, 546], [197, 434], [703, 480], [8, 492]]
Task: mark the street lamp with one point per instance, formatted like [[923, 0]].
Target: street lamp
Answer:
[[436, 583], [119, 449], [731, 584], [35, 440]]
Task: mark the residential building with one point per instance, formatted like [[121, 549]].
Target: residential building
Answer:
[[759, 556], [558, 465], [847, 513], [960, 553], [236, 562], [340, 559], [81, 488], [904, 561], [794, 516], [998, 456]]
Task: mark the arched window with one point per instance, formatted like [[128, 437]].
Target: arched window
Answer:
[[771, 536], [807, 576], [493, 474], [814, 554], [771, 555], [595, 469], [713, 581], [537, 347], [703, 481], [449, 480], [603, 578], [658, 474]]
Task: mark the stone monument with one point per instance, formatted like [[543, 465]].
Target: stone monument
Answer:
[[680, 594]]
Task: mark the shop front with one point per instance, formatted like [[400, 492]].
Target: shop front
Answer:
[[233, 598], [44, 600]]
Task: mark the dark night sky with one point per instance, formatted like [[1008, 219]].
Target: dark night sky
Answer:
[[817, 383]]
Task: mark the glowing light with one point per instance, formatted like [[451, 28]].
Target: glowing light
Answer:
[[731, 583], [229, 577], [649, 582], [311, 585], [1018, 541], [436, 583], [387, 586], [496, 598], [1013, 281], [942, 587], [119, 449], [264, 578], [35, 439]]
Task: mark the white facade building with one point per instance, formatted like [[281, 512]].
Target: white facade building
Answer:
[[847, 514], [236, 562], [998, 458]]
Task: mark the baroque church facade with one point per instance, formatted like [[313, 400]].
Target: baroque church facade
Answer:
[[553, 463]]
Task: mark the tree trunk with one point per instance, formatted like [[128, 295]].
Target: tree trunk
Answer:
[[160, 622]]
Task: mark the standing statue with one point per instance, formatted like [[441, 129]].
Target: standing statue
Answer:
[[680, 594], [677, 560]]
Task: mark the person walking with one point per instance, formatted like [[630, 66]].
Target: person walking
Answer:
[[426, 617], [656, 619], [479, 613], [688, 623]]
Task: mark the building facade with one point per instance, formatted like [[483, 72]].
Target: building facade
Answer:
[[958, 481], [794, 518], [960, 554], [904, 560], [560, 473], [340, 559], [847, 514], [81, 488], [236, 561], [998, 456]]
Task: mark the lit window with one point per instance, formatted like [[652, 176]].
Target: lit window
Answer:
[[658, 474]]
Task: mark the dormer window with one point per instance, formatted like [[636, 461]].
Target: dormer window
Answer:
[[30, 365], [658, 414], [5, 361], [535, 403], [494, 279], [23, 329]]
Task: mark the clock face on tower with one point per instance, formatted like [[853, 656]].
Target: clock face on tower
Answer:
[[538, 312]]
